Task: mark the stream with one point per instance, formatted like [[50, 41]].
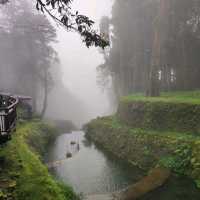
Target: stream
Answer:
[[91, 171]]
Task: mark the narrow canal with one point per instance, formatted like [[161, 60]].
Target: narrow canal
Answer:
[[90, 171]]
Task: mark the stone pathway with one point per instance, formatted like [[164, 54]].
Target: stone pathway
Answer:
[[100, 197], [111, 196]]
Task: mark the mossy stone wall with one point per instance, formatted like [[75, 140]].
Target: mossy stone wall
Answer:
[[171, 116], [140, 149]]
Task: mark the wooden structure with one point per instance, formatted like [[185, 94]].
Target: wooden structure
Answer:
[[8, 116]]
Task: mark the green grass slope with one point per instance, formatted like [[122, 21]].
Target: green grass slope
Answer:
[[22, 174]]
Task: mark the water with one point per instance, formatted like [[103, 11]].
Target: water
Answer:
[[92, 171], [89, 170]]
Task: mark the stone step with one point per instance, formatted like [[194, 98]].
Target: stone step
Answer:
[[100, 197]]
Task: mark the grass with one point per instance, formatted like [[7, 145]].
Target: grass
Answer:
[[23, 176], [190, 97]]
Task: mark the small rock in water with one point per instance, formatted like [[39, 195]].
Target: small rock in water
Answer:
[[68, 154], [72, 142]]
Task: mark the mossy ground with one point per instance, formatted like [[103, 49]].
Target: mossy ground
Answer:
[[147, 148], [23, 176]]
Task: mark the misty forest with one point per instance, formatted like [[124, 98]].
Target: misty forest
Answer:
[[99, 100]]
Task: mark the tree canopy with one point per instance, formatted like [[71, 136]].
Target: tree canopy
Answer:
[[61, 12], [156, 40], [26, 52]]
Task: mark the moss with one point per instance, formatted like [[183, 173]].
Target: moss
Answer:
[[148, 148], [172, 113], [38, 137], [21, 166]]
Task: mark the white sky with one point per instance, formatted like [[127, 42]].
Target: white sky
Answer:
[[79, 63]]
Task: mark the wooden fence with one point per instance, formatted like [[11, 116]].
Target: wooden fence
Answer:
[[8, 116]]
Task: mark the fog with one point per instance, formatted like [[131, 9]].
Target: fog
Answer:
[[52, 65], [147, 80], [78, 66], [143, 57]]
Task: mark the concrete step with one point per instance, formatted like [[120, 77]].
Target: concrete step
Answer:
[[100, 197]]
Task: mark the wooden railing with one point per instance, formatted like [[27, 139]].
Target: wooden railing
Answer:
[[8, 116]]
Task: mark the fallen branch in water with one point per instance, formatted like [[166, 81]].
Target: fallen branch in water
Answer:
[[156, 178]]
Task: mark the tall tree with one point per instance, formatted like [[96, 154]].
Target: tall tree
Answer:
[[154, 46], [27, 53]]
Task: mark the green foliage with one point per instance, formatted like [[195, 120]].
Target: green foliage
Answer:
[[146, 148], [72, 20], [197, 183], [179, 162], [24, 167], [40, 136]]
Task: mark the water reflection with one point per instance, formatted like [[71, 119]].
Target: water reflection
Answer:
[[89, 170]]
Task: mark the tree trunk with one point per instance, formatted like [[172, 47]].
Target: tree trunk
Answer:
[[45, 94], [153, 88], [160, 34]]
